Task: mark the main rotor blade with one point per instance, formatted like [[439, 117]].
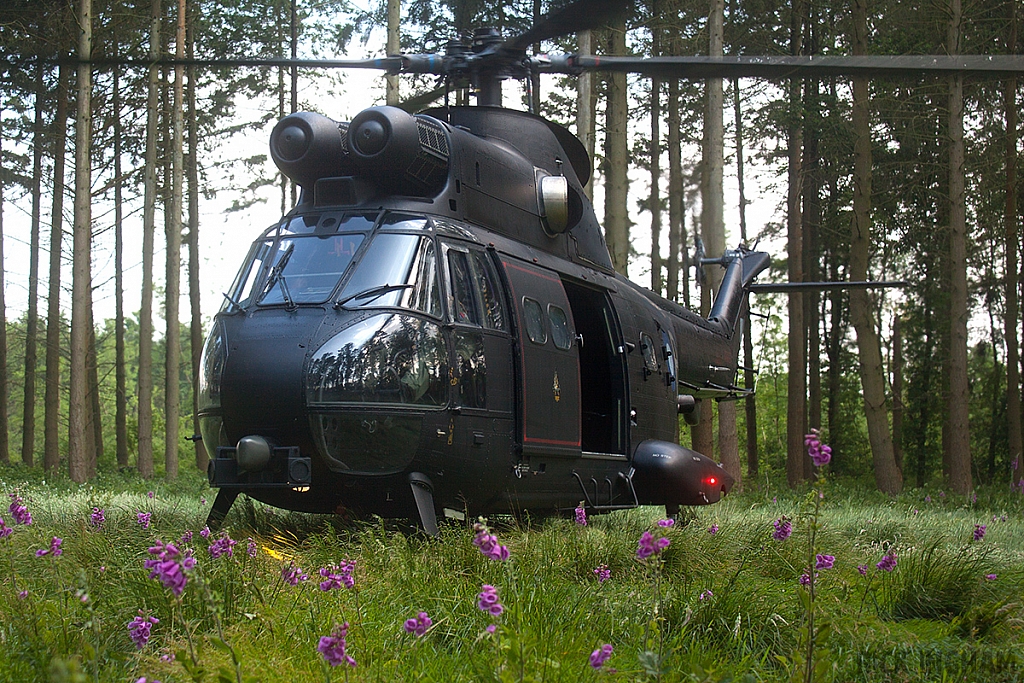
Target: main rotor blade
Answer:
[[994, 66], [418, 102], [581, 15], [392, 64]]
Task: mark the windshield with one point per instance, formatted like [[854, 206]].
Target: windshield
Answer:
[[306, 269], [397, 270]]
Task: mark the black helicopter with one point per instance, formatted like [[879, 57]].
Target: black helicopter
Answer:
[[436, 326]]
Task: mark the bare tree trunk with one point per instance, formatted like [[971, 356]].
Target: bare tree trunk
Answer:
[[535, 77], [120, 371], [78, 436], [148, 231], [897, 392], [172, 398], [51, 401], [294, 23], [959, 394], [1012, 244], [796, 409], [194, 285], [585, 107], [394, 47], [95, 418], [5, 456], [872, 372], [28, 423], [656, 265], [616, 183], [676, 200], [750, 403]]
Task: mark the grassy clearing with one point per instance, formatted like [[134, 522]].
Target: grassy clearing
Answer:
[[936, 617]]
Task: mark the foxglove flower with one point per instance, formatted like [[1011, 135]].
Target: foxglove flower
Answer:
[[54, 548], [581, 515], [824, 561], [805, 578], [169, 566], [250, 548], [599, 656], [222, 546], [487, 601], [186, 537], [713, 529], [336, 577], [19, 511], [863, 568], [332, 647], [139, 629], [648, 546], [666, 522], [143, 518], [979, 532], [820, 453], [5, 530], [603, 573], [488, 543], [98, 517], [419, 625], [205, 533], [991, 577], [705, 595], [887, 563], [292, 574], [783, 529]]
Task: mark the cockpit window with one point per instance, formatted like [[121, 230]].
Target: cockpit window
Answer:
[[401, 221], [397, 270], [327, 223], [306, 269]]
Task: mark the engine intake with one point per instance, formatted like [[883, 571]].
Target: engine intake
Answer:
[[307, 146]]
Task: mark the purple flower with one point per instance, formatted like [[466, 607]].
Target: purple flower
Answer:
[[713, 529], [783, 529], [250, 548], [887, 563], [863, 569], [602, 573], [979, 532], [205, 533], [419, 625], [139, 629], [5, 530], [98, 517], [149, 494], [824, 561], [292, 574], [705, 595], [927, 499], [991, 577], [491, 628], [336, 577], [186, 537], [169, 566], [54, 548], [143, 519], [805, 578], [488, 543], [648, 545], [19, 511], [332, 647], [942, 494], [581, 515], [599, 656], [487, 601], [22, 595], [820, 453], [222, 546], [666, 522]]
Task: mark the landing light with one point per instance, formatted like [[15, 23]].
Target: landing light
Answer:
[[712, 480], [300, 489]]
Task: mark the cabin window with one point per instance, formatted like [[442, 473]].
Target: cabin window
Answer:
[[487, 287], [245, 281], [305, 270], [464, 309], [534, 321], [397, 270], [649, 352], [560, 335]]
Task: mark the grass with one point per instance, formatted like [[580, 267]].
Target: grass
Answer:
[[936, 617]]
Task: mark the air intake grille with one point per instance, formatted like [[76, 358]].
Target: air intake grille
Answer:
[[432, 138], [431, 164], [343, 133]]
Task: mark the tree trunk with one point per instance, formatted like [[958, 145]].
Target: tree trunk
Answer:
[[172, 398], [120, 371], [194, 284], [1012, 244], [51, 401], [811, 221], [5, 456], [28, 423], [897, 392], [656, 266], [148, 231], [95, 417], [872, 372], [585, 97], [616, 154], [676, 200], [78, 437], [535, 76], [394, 47], [959, 428], [796, 407], [750, 403]]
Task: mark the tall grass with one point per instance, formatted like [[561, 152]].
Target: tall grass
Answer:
[[726, 605]]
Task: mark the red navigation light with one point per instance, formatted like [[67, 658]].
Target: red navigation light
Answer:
[[712, 480]]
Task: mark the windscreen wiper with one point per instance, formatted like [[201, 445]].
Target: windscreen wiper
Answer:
[[277, 273], [371, 293]]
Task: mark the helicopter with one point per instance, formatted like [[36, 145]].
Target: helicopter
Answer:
[[436, 328]]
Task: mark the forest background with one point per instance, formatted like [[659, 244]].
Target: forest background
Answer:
[[911, 180]]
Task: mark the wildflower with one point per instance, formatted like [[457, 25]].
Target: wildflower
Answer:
[[292, 574], [143, 680], [22, 595], [713, 529], [581, 515], [205, 533], [783, 529], [863, 569], [143, 518], [887, 563], [336, 577], [222, 546], [54, 548], [705, 595], [599, 656], [139, 629], [419, 625], [186, 537], [991, 577], [824, 561], [149, 494], [942, 494], [487, 601], [5, 530], [648, 546], [805, 578], [927, 499], [202, 501], [169, 566], [332, 647], [491, 628], [19, 511], [98, 517], [250, 548], [167, 657], [979, 532], [666, 522], [488, 543], [603, 573], [819, 452]]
